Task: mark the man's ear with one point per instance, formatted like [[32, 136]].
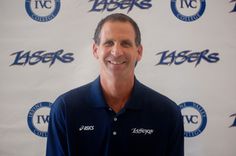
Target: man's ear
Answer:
[[140, 52], [95, 50]]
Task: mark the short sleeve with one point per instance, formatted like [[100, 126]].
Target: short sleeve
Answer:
[[176, 142], [56, 140]]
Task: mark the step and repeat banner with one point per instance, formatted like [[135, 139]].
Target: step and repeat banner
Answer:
[[189, 56]]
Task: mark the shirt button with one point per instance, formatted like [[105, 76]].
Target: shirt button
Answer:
[[115, 119], [114, 133]]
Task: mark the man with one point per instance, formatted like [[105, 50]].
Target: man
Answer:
[[115, 115]]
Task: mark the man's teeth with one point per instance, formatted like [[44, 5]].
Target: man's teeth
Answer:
[[116, 62]]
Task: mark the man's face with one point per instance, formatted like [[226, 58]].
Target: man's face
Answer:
[[117, 52]]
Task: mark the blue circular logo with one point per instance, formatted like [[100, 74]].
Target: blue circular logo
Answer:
[[188, 10], [195, 118], [42, 10], [38, 118]]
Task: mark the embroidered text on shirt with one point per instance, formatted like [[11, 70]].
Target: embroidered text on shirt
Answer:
[[142, 131], [86, 128]]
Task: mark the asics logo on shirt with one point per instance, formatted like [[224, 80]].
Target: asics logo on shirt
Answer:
[[86, 128], [142, 131]]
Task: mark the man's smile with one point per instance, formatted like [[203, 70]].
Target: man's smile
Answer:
[[116, 62]]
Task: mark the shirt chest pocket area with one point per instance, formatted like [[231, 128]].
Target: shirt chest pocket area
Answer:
[[139, 136]]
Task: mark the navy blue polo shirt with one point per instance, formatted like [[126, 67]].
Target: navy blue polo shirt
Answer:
[[82, 124]]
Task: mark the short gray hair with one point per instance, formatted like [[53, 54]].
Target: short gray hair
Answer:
[[121, 18]]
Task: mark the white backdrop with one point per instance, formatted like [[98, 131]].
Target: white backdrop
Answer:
[[41, 60]]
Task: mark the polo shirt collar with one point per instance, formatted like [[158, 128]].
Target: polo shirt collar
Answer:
[[97, 96], [134, 102]]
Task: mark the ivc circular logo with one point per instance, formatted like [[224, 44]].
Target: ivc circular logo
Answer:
[[38, 118], [195, 118], [42, 10], [188, 10]]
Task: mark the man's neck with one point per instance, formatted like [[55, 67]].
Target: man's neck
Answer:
[[117, 91]]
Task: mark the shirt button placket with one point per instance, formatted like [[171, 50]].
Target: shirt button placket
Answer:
[[114, 133]]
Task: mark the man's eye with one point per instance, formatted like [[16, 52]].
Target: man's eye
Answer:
[[126, 44], [109, 43]]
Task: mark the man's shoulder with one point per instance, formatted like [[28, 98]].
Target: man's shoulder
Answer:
[[152, 94], [75, 96], [78, 92], [156, 100]]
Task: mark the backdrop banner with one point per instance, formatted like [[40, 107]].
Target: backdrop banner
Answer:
[[189, 56]]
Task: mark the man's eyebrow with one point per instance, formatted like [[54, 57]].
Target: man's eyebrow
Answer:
[[122, 41], [108, 40], [127, 41]]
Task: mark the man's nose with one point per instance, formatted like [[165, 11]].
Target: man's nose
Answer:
[[117, 50]]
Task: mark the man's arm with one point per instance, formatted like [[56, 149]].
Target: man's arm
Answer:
[[56, 140], [176, 142]]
